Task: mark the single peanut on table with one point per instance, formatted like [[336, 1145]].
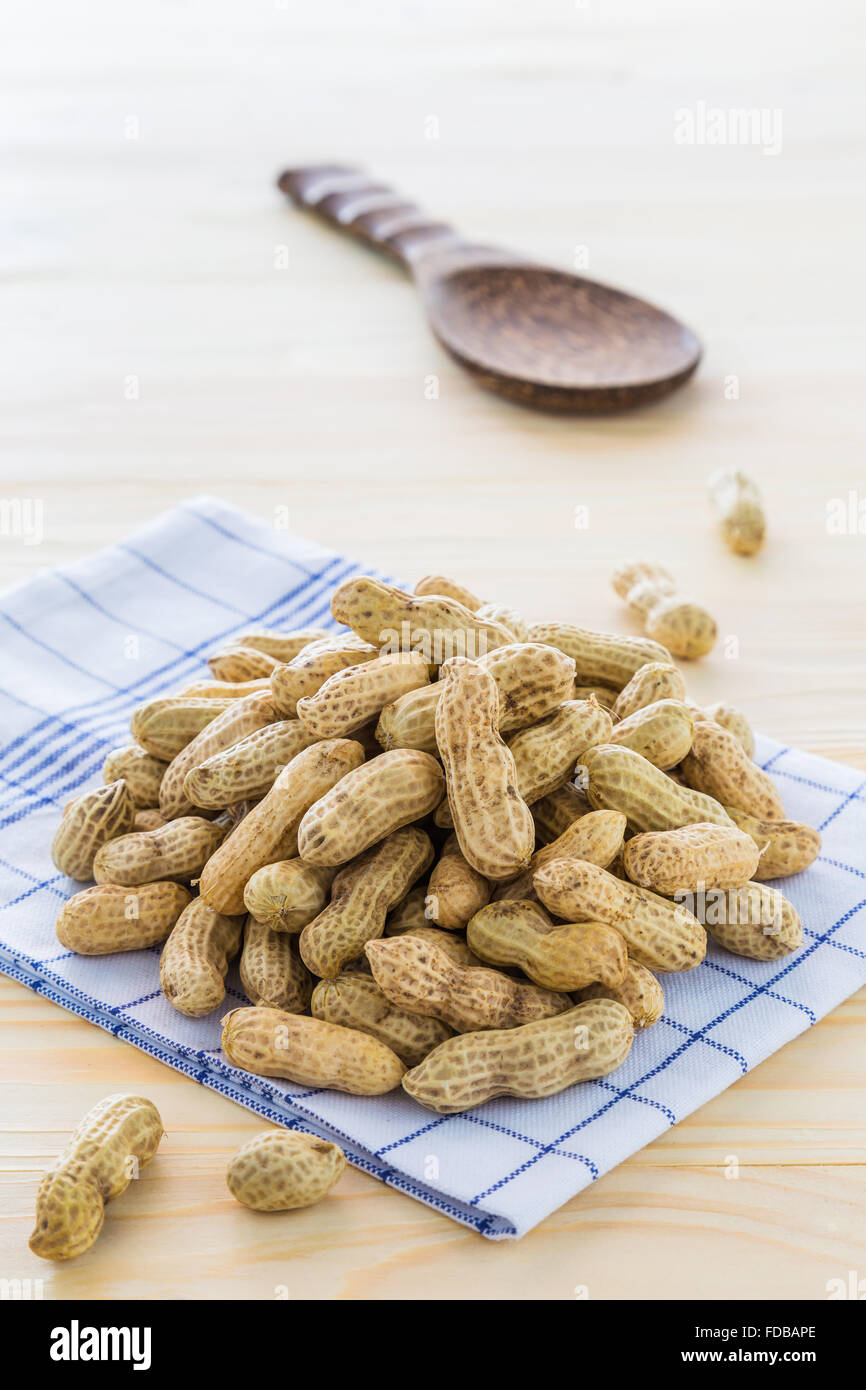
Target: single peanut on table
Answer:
[[737, 500], [682, 626], [282, 1170], [535, 1060], [116, 1138]]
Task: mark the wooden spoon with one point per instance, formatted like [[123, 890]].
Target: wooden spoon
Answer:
[[532, 333]]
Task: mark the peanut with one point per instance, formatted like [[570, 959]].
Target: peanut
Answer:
[[356, 1001], [282, 1170], [419, 977], [222, 690], [596, 837], [639, 991], [691, 858], [310, 1052], [604, 694], [658, 680], [539, 1059], [257, 839], [718, 766], [453, 945], [447, 588], [506, 617], [362, 895], [116, 1138], [288, 894], [754, 921], [494, 826], [195, 958], [282, 646], [179, 849], [616, 779], [737, 501], [532, 681], [553, 814], [89, 822], [659, 934], [272, 973], [735, 722], [785, 846], [381, 614], [566, 957], [141, 772], [148, 820], [237, 663], [682, 626], [351, 697], [660, 732], [545, 754], [456, 890], [164, 727], [241, 718], [369, 803], [601, 658], [247, 769], [307, 672], [108, 918]]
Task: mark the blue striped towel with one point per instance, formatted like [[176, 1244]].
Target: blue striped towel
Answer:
[[82, 646]]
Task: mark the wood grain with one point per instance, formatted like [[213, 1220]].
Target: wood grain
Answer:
[[172, 327]]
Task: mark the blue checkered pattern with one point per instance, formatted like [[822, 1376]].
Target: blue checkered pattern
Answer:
[[83, 646]]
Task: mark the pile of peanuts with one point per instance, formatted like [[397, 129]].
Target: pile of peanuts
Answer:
[[455, 852]]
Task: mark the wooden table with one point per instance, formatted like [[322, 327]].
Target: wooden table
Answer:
[[155, 347]]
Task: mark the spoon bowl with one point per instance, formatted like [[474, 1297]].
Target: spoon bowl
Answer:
[[534, 334]]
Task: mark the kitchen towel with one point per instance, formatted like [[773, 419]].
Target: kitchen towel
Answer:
[[83, 645]]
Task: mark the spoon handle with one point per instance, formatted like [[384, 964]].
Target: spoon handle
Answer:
[[366, 209]]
